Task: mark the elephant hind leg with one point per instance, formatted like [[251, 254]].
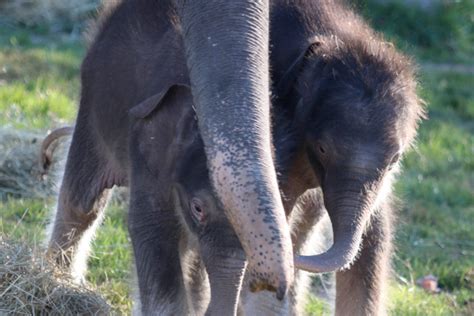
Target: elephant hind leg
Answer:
[[83, 195]]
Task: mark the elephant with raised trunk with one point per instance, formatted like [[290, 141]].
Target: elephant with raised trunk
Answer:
[[220, 49]]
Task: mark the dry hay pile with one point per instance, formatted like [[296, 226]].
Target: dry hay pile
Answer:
[[21, 174], [29, 285], [20, 171], [40, 12]]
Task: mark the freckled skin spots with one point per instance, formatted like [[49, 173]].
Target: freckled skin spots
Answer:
[[254, 216], [237, 144]]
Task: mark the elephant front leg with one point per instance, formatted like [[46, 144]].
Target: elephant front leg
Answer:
[[155, 238], [306, 224], [361, 289]]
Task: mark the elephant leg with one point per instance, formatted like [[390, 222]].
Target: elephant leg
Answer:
[[360, 290], [155, 233], [307, 236], [82, 198], [155, 246], [306, 214]]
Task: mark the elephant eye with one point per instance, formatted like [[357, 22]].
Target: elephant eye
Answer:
[[197, 211], [321, 149], [394, 160]]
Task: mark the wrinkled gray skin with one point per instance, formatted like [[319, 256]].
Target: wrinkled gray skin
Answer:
[[226, 46], [220, 49]]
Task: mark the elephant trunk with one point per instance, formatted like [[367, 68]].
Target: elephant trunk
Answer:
[[225, 273], [226, 46], [349, 213]]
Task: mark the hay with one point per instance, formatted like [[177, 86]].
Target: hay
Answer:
[[21, 175], [29, 285]]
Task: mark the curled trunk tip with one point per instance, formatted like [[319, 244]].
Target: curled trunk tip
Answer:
[[339, 257]]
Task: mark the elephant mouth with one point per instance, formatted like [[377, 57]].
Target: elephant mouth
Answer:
[[280, 291]]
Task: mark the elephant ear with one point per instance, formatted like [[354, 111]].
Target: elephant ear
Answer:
[[289, 77], [178, 195], [154, 102]]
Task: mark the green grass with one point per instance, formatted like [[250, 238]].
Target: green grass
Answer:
[[317, 306], [110, 262], [435, 233], [39, 86], [445, 32], [411, 301], [110, 265], [38, 78]]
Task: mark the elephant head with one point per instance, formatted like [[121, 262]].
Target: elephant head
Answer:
[[205, 221], [226, 45], [357, 112], [168, 121]]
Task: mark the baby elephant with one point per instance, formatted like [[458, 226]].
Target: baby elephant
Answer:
[[174, 217], [175, 182]]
